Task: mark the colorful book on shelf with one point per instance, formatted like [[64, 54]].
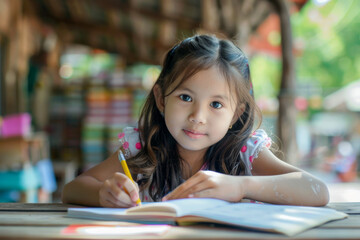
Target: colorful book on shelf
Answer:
[[288, 220]]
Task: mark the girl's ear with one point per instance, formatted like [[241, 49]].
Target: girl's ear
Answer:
[[159, 98]]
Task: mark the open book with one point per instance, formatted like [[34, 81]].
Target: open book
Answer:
[[284, 219]]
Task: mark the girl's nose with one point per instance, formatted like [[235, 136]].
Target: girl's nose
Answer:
[[198, 115]]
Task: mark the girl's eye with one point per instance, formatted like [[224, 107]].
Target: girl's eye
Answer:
[[185, 98], [216, 105]]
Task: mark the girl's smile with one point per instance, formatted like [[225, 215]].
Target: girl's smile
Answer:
[[193, 134]]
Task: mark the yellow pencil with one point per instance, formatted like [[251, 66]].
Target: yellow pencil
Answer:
[[126, 170]]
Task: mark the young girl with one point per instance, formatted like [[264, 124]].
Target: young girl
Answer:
[[196, 139]]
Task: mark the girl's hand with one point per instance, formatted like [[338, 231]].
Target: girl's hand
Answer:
[[118, 191], [209, 184]]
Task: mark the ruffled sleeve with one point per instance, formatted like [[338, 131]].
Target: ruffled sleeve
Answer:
[[130, 145], [130, 141], [253, 146]]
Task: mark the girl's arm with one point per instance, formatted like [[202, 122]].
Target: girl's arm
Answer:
[[103, 185], [274, 181]]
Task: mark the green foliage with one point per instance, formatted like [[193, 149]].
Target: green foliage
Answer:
[[266, 75], [327, 42], [328, 37]]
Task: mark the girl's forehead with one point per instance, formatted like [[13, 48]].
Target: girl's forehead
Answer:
[[211, 79]]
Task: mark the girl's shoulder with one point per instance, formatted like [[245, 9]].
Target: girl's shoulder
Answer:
[[253, 146], [129, 140]]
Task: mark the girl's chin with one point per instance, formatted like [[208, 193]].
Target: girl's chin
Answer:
[[192, 147]]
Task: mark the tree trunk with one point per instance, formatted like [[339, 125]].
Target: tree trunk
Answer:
[[287, 110]]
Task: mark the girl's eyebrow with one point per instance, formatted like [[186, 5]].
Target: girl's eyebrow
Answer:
[[223, 97]]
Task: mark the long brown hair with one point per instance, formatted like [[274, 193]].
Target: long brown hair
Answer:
[[159, 161]]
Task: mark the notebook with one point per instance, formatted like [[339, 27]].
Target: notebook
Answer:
[[284, 219]]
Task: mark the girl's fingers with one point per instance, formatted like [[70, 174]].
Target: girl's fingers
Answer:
[[118, 203], [223, 187], [178, 192], [208, 184], [203, 189], [192, 185], [120, 198], [131, 189], [107, 204], [124, 183], [111, 196], [107, 200], [118, 191]]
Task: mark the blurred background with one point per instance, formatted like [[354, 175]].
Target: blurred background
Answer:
[[73, 73]]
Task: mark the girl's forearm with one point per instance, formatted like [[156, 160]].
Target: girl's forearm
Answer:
[[296, 188], [83, 190]]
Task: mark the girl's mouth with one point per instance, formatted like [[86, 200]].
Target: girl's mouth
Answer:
[[193, 134]]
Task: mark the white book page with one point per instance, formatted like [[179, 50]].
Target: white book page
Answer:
[[178, 207], [171, 208], [278, 218]]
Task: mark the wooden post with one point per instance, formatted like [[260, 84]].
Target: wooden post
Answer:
[[287, 110]]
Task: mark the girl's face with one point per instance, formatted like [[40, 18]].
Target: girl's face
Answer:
[[199, 112]]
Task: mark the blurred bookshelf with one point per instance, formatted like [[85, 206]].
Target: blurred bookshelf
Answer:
[[97, 97]]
